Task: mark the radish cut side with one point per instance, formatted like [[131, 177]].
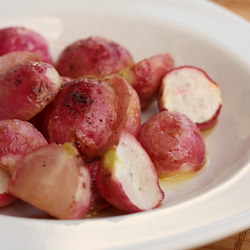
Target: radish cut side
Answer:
[[127, 178], [54, 179], [191, 91]]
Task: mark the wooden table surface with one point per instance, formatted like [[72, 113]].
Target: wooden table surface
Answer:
[[240, 241], [241, 7]]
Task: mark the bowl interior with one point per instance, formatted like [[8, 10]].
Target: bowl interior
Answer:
[[227, 143]]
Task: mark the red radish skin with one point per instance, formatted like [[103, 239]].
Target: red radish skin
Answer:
[[26, 89], [5, 197], [54, 179], [93, 56], [189, 90], [174, 143], [209, 124], [13, 59], [111, 188], [127, 178], [17, 138], [146, 75], [23, 39], [83, 113]]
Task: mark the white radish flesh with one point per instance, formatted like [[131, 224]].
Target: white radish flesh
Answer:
[[127, 178], [190, 91]]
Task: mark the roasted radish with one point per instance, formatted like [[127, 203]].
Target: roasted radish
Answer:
[[146, 75], [26, 89], [191, 91], [127, 178], [17, 138], [174, 143], [93, 56], [23, 39], [83, 113], [54, 179], [91, 114], [13, 59]]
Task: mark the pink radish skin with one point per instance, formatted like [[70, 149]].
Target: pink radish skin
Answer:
[[17, 138], [54, 179], [189, 90], [127, 178], [26, 89], [209, 124], [174, 144], [23, 39], [146, 75], [13, 59], [95, 55], [83, 113], [5, 197]]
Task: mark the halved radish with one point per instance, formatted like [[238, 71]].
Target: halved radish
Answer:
[[189, 90], [17, 138], [5, 197], [127, 178], [145, 76], [54, 179]]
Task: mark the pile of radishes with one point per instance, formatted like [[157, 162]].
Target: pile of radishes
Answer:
[[71, 139]]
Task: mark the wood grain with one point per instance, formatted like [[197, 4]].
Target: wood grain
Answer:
[[240, 241], [240, 7]]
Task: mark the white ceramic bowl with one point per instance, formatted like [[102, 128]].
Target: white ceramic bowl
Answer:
[[211, 205]]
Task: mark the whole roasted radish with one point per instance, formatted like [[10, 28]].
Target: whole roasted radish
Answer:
[[54, 179], [127, 178], [24, 39], [191, 91], [17, 138], [174, 143], [93, 56], [26, 89], [146, 75], [83, 113]]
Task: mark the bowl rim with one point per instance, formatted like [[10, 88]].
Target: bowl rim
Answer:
[[192, 228]]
